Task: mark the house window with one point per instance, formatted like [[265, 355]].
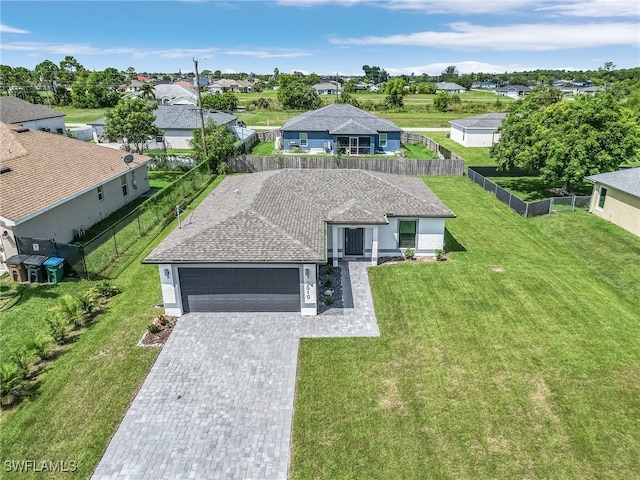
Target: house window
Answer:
[[603, 197], [123, 182], [304, 141], [407, 234], [383, 140], [100, 193]]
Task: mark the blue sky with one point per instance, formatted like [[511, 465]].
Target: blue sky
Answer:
[[323, 36]]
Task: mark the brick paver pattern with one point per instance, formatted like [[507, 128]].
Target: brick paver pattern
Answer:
[[218, 402]]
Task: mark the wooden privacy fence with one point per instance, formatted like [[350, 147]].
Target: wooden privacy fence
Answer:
[[386, 164]]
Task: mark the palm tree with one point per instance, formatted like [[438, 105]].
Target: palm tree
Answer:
[[146, 91]]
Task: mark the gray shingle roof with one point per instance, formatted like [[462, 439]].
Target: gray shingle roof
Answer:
[[449, 86], [484, 121], [15, 110], [329, 118], [177, 117], [519, 88], [280, 215], [626, 180]]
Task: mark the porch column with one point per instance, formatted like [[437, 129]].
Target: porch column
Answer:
[[374, 246], [334, 243]]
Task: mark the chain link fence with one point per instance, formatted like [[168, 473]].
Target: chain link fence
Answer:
[[107, 254], [526, 209]]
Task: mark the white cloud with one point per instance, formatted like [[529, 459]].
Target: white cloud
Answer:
[[263, 54], [576, 8], [522, 37], [596, 8], [8, 29], [467, 66]]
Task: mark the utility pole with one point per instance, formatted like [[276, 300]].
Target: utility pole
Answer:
[[204, 140]]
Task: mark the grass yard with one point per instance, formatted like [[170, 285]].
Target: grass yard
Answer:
[[532, 371], [160, 179], [473, 156], [81, 115], [531, 189], [85, 392], [418, 151]]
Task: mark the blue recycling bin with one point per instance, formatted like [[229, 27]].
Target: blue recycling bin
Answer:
[[55, 269]]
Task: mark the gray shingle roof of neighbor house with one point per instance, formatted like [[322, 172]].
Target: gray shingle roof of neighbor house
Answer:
[[16, 110], [336, 115], [626, 180], [449, 86], [484, 121], [519, 88], [185, 117], [280, 215]]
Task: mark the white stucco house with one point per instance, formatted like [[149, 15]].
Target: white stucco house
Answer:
[[513, 91], [54, 187], [477, 131], [616, 198], [327, 88], [450, 87], [178, 122], [256, 242], [15, 111]]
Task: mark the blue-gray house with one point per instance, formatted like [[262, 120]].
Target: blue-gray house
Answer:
[[341, 128]]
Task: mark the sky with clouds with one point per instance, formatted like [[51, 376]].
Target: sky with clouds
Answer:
[[323, 36]]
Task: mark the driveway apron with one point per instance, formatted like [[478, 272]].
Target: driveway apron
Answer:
[[218, 402]]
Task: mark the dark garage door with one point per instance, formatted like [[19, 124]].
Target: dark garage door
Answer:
[[240, 289]]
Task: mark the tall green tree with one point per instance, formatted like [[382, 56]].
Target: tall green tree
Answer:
[[96, 89], [220, 142], [132, 120], [294, 94], [567, 141], [220, 101], [395, 90]]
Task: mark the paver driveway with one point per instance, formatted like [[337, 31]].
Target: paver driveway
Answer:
[[218, 402]]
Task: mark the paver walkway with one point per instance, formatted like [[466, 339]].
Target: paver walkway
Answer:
[[218, 402]]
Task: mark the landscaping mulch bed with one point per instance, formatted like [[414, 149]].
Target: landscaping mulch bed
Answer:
[[158, 339]]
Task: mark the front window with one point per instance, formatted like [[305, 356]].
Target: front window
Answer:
[[383, 140], [123, 182], [304, 140], [407, 233], [603, 197], [100, 193]]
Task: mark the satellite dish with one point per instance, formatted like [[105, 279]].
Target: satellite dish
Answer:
[[128, 158]]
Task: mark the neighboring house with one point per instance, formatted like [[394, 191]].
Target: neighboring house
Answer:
[[616, 198], [590, 90], [486, 85], [477, 131], [449, 87], [327, 88], [341, 128], [178, 123], [255, 243], [513, 91], [54, 187], [233, 86], [167, 94], [16, 111], [133, 86]]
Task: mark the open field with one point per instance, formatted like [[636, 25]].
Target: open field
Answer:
[[517, 358]]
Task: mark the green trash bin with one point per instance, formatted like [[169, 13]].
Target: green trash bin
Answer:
[[55, 269]]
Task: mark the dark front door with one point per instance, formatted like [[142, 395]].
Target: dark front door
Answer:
[[354, 241]]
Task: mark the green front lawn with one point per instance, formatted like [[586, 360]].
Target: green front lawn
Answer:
[[517, 358]]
